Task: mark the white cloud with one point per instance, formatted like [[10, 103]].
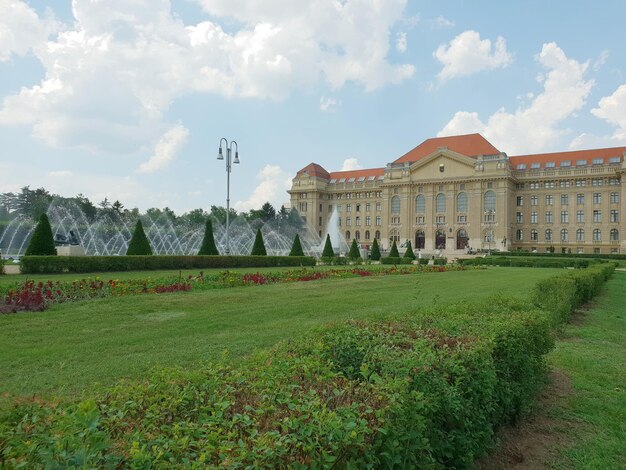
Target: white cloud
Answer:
[[401, 42], [612, 109], [166, 149], [111, 75], [21, 29], [60, 174], [533, 128], [329, 104], [274, 182], [467, 54], [441, 22], [601, 60], [350, 164]]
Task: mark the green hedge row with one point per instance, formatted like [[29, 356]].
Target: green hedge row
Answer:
[[396, 260], [563, 255], [423, 390], [530, 262], [85, 264]]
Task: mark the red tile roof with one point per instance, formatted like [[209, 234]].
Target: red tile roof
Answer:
[[469, 145], [315, 170], [357, 173], [572, 156]]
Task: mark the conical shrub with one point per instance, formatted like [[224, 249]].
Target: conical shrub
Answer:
[[409, 251], [42, 242], [296, 248], [139, 244], [354, 251], [258, 249], [328, 251], [394, 251], [375, 254], [208, 242]]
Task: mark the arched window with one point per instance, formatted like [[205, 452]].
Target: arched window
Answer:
[[367, 234], [534, 235], [519, 235], [420, 204], [461, 202], [357, 235], [395, 205], [564, 235], [348, 235], [377, 235], [440, 202], [549, 235], [490, 201], [489, 238], [597, 235], [395, 236], [614, 235], [580, 235]]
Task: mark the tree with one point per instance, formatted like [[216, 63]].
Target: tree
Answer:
[[117, 206], [208, 242], [258, 249], [409, 251], [139, 244], [375, 254], [86, 206], [354, 253], [394, 251], [105, 204], [268, 212], [219, 213], [328, 249], [42, 242], [296, 248]]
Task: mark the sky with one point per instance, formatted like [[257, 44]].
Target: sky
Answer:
[[128, 99]]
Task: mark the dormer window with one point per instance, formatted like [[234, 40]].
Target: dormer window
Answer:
[[361, 179], [615, 160], [597, 161], [351, 180], [550, 165], [566, 163], [581, 162], [521, 166], [342, 180], [535, 166]]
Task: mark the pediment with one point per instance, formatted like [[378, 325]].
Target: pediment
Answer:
[[453, 165]]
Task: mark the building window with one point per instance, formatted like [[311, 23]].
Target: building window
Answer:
[[534, 235], [549, 217], [420, 220], [580, 235], [564, 235], [597, 216], [440, 202], [461, 202], [614, 234], [614, 198], [339, 208], [357, 235], [580, 198], [549, 235], [395, 220], [489, 238], [420, 204], [339, 221], [597, 235], [357, 221], [597, 198], [378, 206], [320, 221], [348, 221], [379, 220], [581, 183], [367, 235], [613, 181], [564, 217], [348, 235], [519, 217], [368, 220], [368, 206], [534, 218], [520, 201], [377, 235], [461, 219], [348, 207], [549, 199], [564, 199], [519, 235], [395, 236], [440, 219], [580, 217], [358, 207], [490, 201], [534, 200], [614, 216]]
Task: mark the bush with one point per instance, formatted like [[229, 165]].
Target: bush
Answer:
[[334, 260], [258, 249], [89, 264], [208, 247], [409, 251], [328, 251], [422, 261], [139, 244], [395, 260], [440, 261], [375, 254], [354, 253], [42, 242], [296, 248], [393, 253]]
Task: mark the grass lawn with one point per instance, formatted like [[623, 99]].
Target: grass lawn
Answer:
[[593, 355], [75, 348]]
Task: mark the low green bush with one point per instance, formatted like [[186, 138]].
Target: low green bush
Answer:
[[530, 262], [440, 261], [86, 264], [422, 261], [395, 260], [334, 260], [615, 256]]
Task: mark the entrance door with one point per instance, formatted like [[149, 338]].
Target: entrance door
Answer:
[[440, 240], [461, 239], [420, 240]]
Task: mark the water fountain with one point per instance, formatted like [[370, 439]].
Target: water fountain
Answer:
[[111, 233]]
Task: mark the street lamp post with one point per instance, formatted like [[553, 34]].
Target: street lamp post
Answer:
[[229, 162]]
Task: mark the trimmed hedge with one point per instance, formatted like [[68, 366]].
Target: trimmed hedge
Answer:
[[86, 264], [139, 244], [565, 255], [528, 262], [42, 242], [395, 260], [424, 390]]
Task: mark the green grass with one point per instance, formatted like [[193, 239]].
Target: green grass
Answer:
[[594, 357], [77, 348]]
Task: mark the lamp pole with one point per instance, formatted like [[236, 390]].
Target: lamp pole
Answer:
[[229, 162]]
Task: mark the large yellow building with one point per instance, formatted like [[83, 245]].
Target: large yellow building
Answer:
[[451, 193]]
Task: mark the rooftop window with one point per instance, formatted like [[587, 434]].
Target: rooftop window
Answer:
[[521, 166], [597, 161], [535, 166], [334, 180], [615, 160], [581, 162], [381, 177], [371, 178], [550, 164], [342, 180], [361, 178], [351, 180], [566, 163]]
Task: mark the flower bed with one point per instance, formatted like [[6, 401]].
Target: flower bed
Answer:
[[32, 296]]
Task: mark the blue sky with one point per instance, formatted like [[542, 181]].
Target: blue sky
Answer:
[[127, 99]]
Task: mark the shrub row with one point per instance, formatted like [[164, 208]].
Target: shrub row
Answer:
[[528, 262], [404, 260], [562, 255], [84, 264], [426, 390]]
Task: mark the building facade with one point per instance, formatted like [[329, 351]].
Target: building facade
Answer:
[[460, 192]]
